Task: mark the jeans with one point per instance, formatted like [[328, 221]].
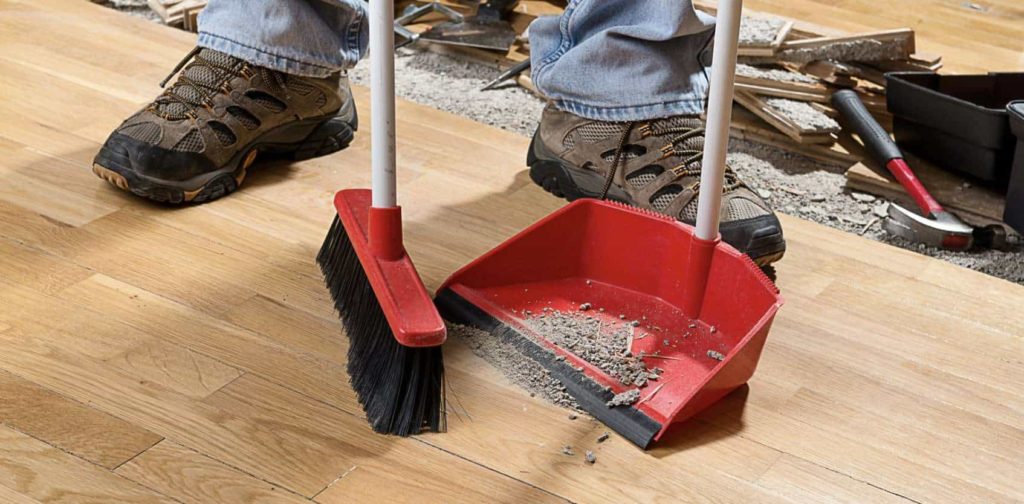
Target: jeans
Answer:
[[611, 60]]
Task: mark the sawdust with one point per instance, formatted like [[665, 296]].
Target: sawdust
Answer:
[[625, 398], [859, 50], [519, 369], [773, 74], [605, 345], [759, 31], [806, 117]]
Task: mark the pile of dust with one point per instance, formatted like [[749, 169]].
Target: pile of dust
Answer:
[[603, 345], [806, 117], [759, 31], [859, 50], [773, 74], [453, 85], [519, 369]]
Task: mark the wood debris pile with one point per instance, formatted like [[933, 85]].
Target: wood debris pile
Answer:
[[788, 71]]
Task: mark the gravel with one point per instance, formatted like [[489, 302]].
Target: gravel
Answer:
[[794, 184]]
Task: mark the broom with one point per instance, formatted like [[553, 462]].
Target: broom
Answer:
[[395, 332]]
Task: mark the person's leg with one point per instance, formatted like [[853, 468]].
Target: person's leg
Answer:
[[311, 38], [266, 79], [626, 82]]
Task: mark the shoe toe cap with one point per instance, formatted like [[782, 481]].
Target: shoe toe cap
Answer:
[[123, 154]]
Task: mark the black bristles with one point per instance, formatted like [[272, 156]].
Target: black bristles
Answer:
[[400, 388]]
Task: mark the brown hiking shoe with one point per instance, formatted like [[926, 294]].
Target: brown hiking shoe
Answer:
[[650, 164], [195, 142]]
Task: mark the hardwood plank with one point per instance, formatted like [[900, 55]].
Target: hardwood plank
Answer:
[[12, 497], [441, 477], [95, 436], [178, 368], [42, 472], [802, 481], [188, 476]]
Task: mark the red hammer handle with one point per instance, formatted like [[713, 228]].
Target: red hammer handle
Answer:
[[899, 169], [881, 147]]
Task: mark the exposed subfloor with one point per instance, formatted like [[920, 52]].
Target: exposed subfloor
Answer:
[[792, 183]]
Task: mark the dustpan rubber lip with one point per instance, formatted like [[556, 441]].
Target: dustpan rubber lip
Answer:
[[630, 422]]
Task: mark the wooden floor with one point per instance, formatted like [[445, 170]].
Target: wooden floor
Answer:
[[150, 354]]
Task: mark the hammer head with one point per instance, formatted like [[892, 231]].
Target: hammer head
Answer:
[[941, 229]]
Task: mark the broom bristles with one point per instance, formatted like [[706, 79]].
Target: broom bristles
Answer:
[[400, 388]]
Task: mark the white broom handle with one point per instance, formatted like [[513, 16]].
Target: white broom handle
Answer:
[[716, 139], [382, 102]]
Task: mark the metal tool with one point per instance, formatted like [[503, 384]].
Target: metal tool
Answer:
[[413, 12], [515, 70], [936, 227], [488, 29]]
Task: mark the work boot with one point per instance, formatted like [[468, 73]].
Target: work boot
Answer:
[[649, 164], [195, 142]]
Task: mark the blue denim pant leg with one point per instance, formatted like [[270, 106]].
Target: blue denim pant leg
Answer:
[[312, 38], [622, 60]]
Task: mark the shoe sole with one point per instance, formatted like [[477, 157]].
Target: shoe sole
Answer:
[[319, 138], [570, 183]]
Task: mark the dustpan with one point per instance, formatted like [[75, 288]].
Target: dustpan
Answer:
[[698, 310]]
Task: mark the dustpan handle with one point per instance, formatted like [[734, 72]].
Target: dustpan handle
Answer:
[[382, 103], [716, 139]]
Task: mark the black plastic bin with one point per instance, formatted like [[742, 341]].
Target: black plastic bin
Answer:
[[1014, 213], [957, 122]]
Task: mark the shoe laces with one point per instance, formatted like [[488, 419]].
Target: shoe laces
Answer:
[[202, 75], [679, 136]]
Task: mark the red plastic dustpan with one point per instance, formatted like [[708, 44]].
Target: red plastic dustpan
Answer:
[[704, 307]]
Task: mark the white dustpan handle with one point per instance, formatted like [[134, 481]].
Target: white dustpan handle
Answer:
[[716, 140], [382, 102]]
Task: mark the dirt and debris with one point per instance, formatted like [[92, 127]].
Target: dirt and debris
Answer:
[[138, 8], [519, 369], [453, 85], [603, 345], [773, 74], [866, 50], [806, 117], [603, 437], [624, 398], [716, 355], [585, 306], [756, 31], [573, 416], [590, 457], [567, 450]]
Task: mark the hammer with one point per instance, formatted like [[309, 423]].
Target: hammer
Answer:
[[936, 227]]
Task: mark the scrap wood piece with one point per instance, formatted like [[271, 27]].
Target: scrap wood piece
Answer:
[[974, 203], [821, 96], [747, 126], [875, 46], [173, 13], [795, 119], [780, 82]]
